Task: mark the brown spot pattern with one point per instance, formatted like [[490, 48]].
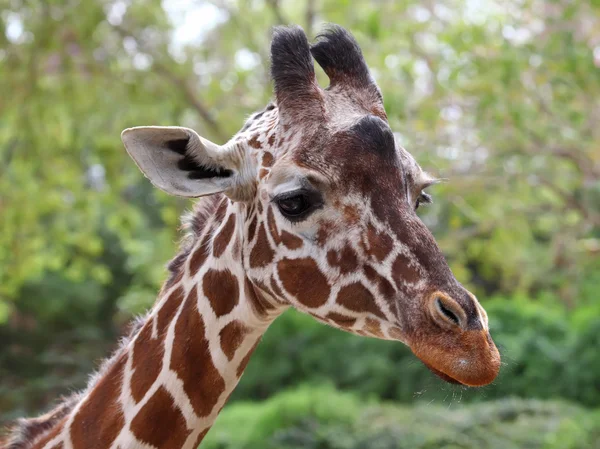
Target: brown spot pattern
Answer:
[[232, 336], [100, 419], [201, 437], [303, 279], [384, 286], [275, 288], [224, 236], [273, 226], [403, 272], [373, 327], [192, 362], [146, 362], [222, 290], [221, 210], [246, 359], [271, 141], [168, 310], [261, 254], [341, 320], [291, 241], [236, 251], [358, 298], [380, 244], [345, 259], [160, 423], [261, 286], [263, 173], [324, 231], [252, 228], [351, 215], [254, 142], [396, 332], [255, 295], [200, 255]]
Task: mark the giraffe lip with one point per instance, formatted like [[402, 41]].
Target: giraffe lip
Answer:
[[443, 376]]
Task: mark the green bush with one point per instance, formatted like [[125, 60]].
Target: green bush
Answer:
[[545, 354], [287, 410], [322, 418]]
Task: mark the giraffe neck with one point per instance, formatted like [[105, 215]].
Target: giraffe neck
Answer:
[[166, 386]]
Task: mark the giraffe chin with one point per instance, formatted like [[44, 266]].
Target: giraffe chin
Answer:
[[466, 380]]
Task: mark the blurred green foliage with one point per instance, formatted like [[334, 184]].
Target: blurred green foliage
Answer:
[[321, 418], [498, 97], [545, 356]]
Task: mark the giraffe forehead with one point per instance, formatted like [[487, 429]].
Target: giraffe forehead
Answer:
[[362, 158], [340, 147], [287, 175]]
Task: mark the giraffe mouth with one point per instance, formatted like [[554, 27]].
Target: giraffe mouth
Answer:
[[443, 376]]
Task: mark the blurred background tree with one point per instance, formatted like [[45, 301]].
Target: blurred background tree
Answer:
[[501, 98]]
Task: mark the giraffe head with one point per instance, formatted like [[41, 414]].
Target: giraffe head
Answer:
[[325, 203]]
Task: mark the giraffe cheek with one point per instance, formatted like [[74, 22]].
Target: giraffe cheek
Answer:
[[303, 279], [291, 241], [262, 253]]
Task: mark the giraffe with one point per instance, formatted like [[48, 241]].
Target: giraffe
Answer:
[[312, 205]]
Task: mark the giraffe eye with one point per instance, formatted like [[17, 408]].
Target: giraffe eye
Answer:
[[296, 206], [423, 198], [293, 206]]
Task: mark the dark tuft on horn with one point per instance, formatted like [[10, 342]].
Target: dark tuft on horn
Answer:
[[292, 69], [338, 53]]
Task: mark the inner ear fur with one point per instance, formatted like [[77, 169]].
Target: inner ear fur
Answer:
[[180, 162]]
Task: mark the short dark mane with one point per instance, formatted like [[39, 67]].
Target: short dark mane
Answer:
[[192, 224], [25, 431]]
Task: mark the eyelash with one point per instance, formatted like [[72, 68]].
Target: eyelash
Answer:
[[423, 198]]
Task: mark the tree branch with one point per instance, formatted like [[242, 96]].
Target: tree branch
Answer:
[[179, 83], [192, 98], [578, 158], [571, 201]]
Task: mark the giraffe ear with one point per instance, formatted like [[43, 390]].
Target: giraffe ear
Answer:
[[180, 162]]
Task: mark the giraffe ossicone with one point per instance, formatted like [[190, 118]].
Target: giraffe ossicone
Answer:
[[311, 205]]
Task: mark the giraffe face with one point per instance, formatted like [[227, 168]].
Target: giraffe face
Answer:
[[334, 230], [326, 209]]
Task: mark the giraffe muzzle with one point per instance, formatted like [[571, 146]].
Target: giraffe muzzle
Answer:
[[467, 357], [453, 346]]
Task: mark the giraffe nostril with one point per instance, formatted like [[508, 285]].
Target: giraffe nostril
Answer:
[[449, 314]]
